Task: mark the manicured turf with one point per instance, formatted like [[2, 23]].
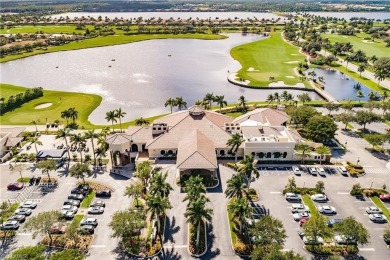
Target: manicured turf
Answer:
[[112, 40], [10, 90], [380, 205], [269, 57], [77, 219], [50, 29], [377, 48], [88, 200], [308, 202]]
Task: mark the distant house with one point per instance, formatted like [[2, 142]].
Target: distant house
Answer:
[[10, 137]]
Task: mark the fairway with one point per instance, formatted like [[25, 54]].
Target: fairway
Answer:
[[269, 57], [377, 48]]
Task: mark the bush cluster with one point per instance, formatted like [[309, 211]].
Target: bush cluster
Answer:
[[19, 99], [333, 249]]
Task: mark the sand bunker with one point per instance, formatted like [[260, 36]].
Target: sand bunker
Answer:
[[290, 77], [252, 69], [291, 62], [282, 84], [44, 105], [367, 41], [294, 54]]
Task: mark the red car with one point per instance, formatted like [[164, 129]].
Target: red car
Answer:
[[15, 186], [303, 221], [385, 197]]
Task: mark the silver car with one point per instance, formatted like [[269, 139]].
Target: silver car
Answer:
[[10, 225], [373, 210], [29, 204], [299, 207], [327, 209], [23, 211], [74, 209], [296, 170], [95, 210], [319, 197]]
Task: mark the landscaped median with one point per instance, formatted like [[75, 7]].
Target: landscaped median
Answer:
[[197, 239], [380, 205]]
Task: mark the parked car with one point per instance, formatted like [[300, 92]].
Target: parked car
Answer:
[[343, 240], [103, 193], [95, 210], [385, 197], [342, 170], [28, 204], [296, 170], [333, 221], [313, 171], [377, 218], [68, 215], [23, 211], [74, 209], [373, 210], [78, 191], [301, 234], [321, 171], [301, 215], [72, 202], [311, 241], [58, 228], [15, 186], [299, 207], [303, 221], [89, 229], [292, 197], [319, 197], [89, 221], [76, 197], [386, 238], [19, 218], [327, 209], [10, 225], [98, 203], [84, 186]]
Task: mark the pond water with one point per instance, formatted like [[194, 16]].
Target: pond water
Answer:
[[349, 15], [142, 76], [167, 15], [340, 86]]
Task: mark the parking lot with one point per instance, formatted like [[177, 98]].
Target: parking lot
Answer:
[[273, 180]]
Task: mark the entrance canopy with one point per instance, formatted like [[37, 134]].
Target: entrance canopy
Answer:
[[51, 154]]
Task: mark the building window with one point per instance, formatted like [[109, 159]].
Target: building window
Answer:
[[269, 155], [253, 153], [159, 128], [285, 155], [162, 152], [222, 152], [170, 152]]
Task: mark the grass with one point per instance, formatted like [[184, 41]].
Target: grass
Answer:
[[232, 226], [87, 200], [24, 179], [377, 48], [269, 57], [308, 202], [50, 29], [382, 206], [112, 40], [11, 210], [77, 219]]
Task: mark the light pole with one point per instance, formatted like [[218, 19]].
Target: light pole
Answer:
[[358, 160], [346, 144], [371, 185]]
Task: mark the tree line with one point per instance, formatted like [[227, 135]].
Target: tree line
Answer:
[[15, 101]]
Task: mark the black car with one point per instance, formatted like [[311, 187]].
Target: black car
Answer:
[[103, 193], [86, 229], [76, 197], [34, 180], [19, 218], [85, 187], [78, 191]]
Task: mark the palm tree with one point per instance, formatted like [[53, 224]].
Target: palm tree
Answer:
[[142, 121], [240, 210], [304, 150], [234, 142], [100, 152], [78, 140], [348, 59], [134, 190], [359, 95], [46, 166], [180, 103], [384, 95], [242, 103], [196, 214], [380, 75], [247, 168], [34, 122], [236, 187], [373, 59], [210, 98], [284, 96], [64, 133], [73, 114], [120, 114], [79, 170], [35, 141], [312, 74], [158, 184], [323, 150], [110, 116], [361, 68], [65, 115], [171, 102], [194, 188], [270, 98], [277, 97], [90, 134], [157, 205], [220, 100]]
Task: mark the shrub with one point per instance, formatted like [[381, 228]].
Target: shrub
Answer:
[[232, 165], [241, 248], [356, 189]]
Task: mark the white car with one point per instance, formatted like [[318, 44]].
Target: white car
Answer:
[[321, 171], [29, 204], [300, 215], [311, 241], [343, 240], [95, 210], [89, 221], [71, 208], [292, 196], [67, 214], [377, 218], [299, 207], [373, 210], [319, 197], [296, 170], [23, 211], [342, 170], [313, 171], [327, 209], [10, 225]]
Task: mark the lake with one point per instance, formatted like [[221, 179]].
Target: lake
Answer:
[[142, 76], [349, 15]]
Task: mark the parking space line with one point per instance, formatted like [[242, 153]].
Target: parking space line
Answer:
[[96, 246], [175, 246], [24, 234], [367, 249], [275, 192], [343, 193]]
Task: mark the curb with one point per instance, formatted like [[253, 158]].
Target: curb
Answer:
[[188, 241]]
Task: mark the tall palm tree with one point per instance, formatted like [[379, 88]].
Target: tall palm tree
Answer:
[[101, 141], [234, 142], [35, 122], [197, 213], [90, 134], [65, 115], [242, 103], [64, 133], [359, 95], [157, 205], [158, 184], [46, 166], [220, 100], [100, 152], [78, 140], [277, 97], [210, 98], [379, 75], [323, 150], [73, 114], [236, 187], [80, 170], [240, 210], [35, 141], [134, 190], [362, 67], [304, 150], [284, 96], [120, 114], [180, 103], [270, 98], [142, 121], [111, 117], [348, 59], [194, 188], [105, 131], [171, 102], [248, 168]]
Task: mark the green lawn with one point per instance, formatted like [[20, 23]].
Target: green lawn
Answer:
[[308, 202], [87, 200], [11, 210], [50, 29], [380, 205], [112, 40], [24, 179], [377, 48], [268, 57], [77, 219]]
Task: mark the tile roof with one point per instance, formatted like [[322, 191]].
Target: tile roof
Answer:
[[294, 134], [118, 138], [196, 151], [12, 141], [140, 134], [265, 116], [15, 131]]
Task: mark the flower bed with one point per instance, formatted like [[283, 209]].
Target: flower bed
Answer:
[[197, 250], [97, 186], [51, 180], [354, 170], [84, 242]]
